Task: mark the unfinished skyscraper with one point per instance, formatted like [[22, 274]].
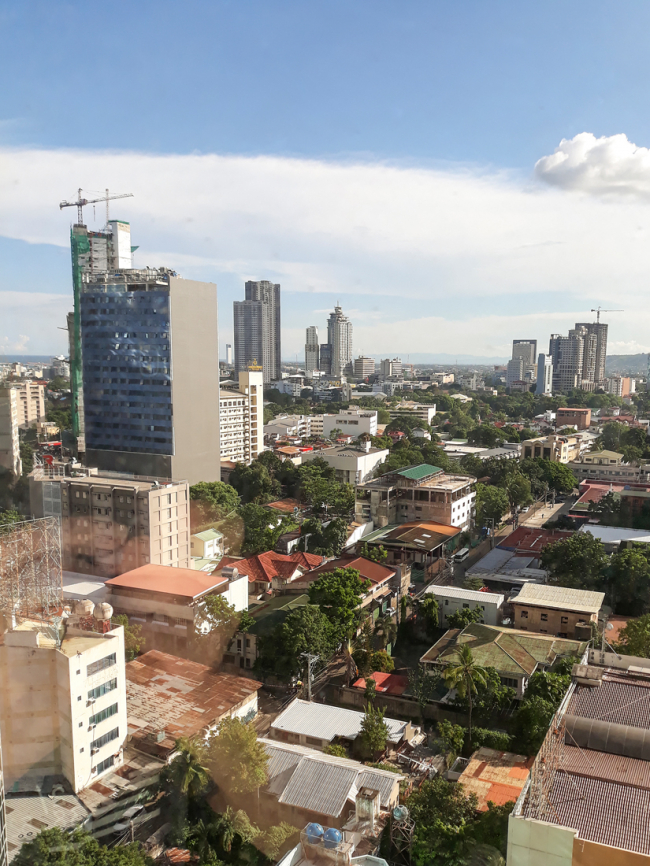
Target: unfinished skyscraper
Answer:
[[257, 324], [311, 350], [574, 360], [599, 330]]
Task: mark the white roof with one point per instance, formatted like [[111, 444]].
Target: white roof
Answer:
[[560, 598], [466, 594], [28, 815], [325, 722], [615, 534]]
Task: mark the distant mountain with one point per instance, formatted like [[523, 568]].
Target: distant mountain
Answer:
[[628, 364]]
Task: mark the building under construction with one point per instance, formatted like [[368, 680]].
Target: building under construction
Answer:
[[588, 798], [30, 570]]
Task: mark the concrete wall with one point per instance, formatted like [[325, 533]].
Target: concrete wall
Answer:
[[558, 622], [536, 843]]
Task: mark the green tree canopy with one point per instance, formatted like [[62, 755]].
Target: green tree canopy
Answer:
[[214, 499], [629, 580], [464, 616], [255, 483], [262, 528], [133, 639], [56, 847], [491, 504], [240, 762], [443, 816], [578, 561], [306, 630], [374, 731], [215, 625], [338, 593], [326, 540], [634, 638], [428, 611]]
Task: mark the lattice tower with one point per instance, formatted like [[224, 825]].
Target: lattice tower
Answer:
[[30, 568]]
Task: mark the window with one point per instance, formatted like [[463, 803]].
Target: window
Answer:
[[248, 642], [103, 714], [524, 614], [102, 690], [105, 764], [565, 619], [313, 741], [446, 601], [465, 605], [238, 643], [102, 664], [544, 617], [106, 738], [248, 663]]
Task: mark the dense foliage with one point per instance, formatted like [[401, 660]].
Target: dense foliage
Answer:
[[56, 847]]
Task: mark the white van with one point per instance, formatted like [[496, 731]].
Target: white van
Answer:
[[462, 555]]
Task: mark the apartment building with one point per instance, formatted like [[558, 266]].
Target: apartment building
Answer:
[[544, 374], [353, 422], [9, 435], [364, 367], [620, 386], [556, 448], [31, 402], [111, 524], [241, 418], [312, 353], [339, 339], [417, 493], [608, 466], [63, 698], [286, 426], [390, 368], [424, 412], [352, 464], [258, 329], [571, 417]]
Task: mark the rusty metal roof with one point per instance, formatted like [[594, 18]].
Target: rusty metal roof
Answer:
[[624, 703]]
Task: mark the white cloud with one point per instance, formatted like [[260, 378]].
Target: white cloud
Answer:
[[431, 245], [610, 165]]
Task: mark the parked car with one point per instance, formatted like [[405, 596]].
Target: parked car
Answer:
[[129, 815]]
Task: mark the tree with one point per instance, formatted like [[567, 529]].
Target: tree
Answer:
[[531, 722], [490, 699], [428, 613], [338, 593], [491, 504], [453, 738], [27, 457], [239, 760], [57, 847], [188, 773], [443, 817], [376, 554], [634, 638], [255, 483], [275, 838], [490, 833], [422, 686], [304, 630], [214, 499], [374, 731], [370, 692], [462, 617], [577, 561], [486, 435], [262, 528], [549, 686], [464, 675], [9, 517], [324, 540], [518, 490], [133, 640], [610, 438], [336, 750], [215, 625], [629, 580], [386, 628]]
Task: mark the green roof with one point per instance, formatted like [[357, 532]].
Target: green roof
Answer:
[[415, 473], [208, 535]]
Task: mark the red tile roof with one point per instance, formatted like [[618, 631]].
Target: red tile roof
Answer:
[[183, 582], [263, 567], [526, 539], [372, 571], [389, 684]]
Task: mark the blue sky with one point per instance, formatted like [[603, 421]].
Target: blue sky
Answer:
[[382, 153]]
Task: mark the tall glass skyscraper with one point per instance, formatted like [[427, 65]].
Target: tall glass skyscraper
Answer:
[[257, 322]]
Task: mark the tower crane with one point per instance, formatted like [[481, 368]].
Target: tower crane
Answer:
[[81, 202], [597, 311]]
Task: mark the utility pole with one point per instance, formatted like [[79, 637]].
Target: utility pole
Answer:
[[311, 660]]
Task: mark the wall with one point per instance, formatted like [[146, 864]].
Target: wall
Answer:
[[587, 853], [447, 606], [561, 623], [396, 706], [536, 842]]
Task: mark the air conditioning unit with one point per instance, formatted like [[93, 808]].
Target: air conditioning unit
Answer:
[[94, 751]]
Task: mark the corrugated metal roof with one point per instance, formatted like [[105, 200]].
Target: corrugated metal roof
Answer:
[[326, 722], [601, 765], [614, 534], [465, 594], [622, 703], [319, 787], [415, 473], [28, 815], [560, 598], [492, 561]]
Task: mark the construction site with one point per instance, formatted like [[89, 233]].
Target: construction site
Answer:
[[30, 570]]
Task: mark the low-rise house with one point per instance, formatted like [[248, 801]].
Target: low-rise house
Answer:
[[165, 601], [306, 785], [169, 698], [207, 544], [425, 412], [612, 536], [608, 466], [557, 610], [312, 724], [531, 540], [385, 684], [452, 598], [353, 464], [508, 568], [271, 571], [420, 544], [556, 448], [515, 655]]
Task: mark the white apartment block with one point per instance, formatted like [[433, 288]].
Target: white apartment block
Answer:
[[352, 422], [112, 524], [289, 426], [31, 401], [241, 419], [452, 598], [62, 700], [425, 412], [9, 436], [390, 368], [353, 465], [363, 367]]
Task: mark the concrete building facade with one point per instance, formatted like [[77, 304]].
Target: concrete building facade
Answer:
[[311, 350], [572, 417], [113, 524], [364, 367], [353, 465], [556, 448], [150, 372], [339, 337], [31, 402], [390, 368], [557, 610], [9, 435], [544, 374], [424, 412], [257, 322], [353, 422], [241, 418]]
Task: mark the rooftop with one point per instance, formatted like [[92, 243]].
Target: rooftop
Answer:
[[264, 567], [416, 535], [526, 539], [177, 697], [616, 534], [28, 814], [274, 611], [286, 506], [465, 594], [387, 684], [495, 777], [310, 780], [183, 582], [417, 473], [373, 571], [326, 722], [560, 598], [208, 535], [136, 771]]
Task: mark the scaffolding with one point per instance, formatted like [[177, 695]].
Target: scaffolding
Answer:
[[31, 584]]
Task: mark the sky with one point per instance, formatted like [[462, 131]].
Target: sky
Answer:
[[455, 174]]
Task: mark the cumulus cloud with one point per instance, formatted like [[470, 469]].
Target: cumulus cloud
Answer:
[[429, 245], [610, 165]]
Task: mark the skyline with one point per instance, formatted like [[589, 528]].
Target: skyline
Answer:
[[454, 176]]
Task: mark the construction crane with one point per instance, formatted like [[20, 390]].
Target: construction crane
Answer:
[[597, 311], [81, 202]]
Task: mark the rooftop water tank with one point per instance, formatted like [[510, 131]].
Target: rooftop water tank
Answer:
[[332, 837], [103, 611], [314, 833], [400, 813], [83, 607]]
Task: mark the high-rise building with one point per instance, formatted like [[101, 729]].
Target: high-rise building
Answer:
[[150, 374], [229, 354], [241, 422], [339, 337], [364, 367], [92, 253], [258, 329], [311, 350], [515, 371], [112, 524], [526, 350], [325, 359], [390, 368], [574, 360], [31, 400], [9, 435], [544, 374], [599, 330]]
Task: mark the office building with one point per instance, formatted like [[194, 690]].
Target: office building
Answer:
[[514, 372], [363, 367], [391, 368], [544, 374], [63, 699], [351, 422], [599, 331], [31, 402], [339, 337], [229, 354], [241, 422], [572, 417], [556, 448], [574, 359], [113, 524], [526, 350], [620, 386], [258, 329], [311, 351], [9, 436], [325, 359], [150, 369]]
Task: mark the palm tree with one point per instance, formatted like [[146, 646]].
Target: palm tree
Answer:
[[464, 675], [350, 665], [388, 629], [188, 772]]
